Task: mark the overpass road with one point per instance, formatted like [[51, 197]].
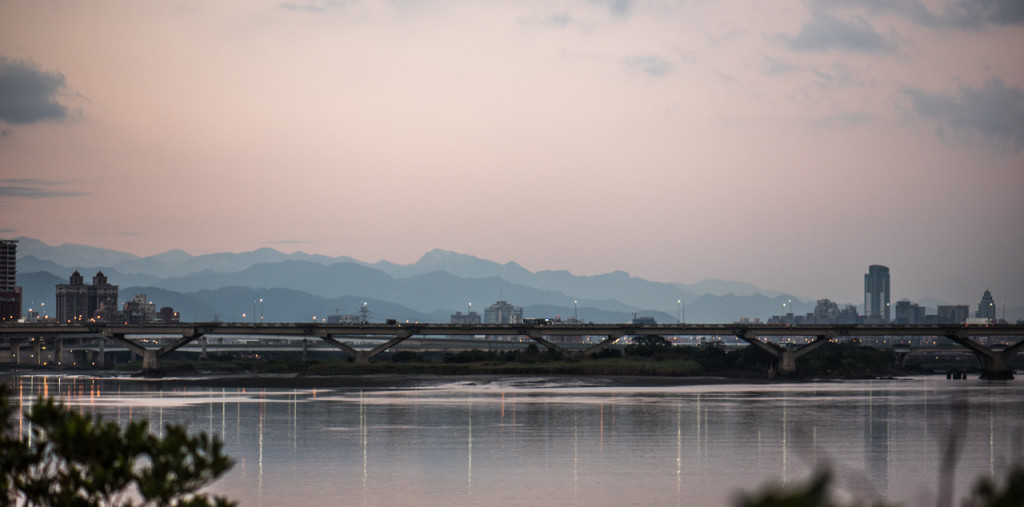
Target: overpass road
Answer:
[[993, 361]]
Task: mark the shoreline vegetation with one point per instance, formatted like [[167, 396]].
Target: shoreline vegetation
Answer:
[[645, 362]]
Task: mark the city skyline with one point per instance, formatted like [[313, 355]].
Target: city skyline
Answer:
[[788, 145], [876, 282]]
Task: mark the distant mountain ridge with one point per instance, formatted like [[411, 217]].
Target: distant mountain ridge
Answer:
[[439, 283]]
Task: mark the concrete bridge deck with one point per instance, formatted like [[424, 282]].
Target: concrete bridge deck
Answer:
[[993, 361]]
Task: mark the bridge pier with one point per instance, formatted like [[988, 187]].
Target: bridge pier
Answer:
[[101, 356], [785, 359], [901, 356], [150, 357], [150, 360], [994, 363], [787, 362], [994, 367]]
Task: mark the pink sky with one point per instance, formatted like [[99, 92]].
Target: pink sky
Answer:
[[788, 144]]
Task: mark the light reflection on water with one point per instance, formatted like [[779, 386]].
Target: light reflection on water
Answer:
[[549, 441]]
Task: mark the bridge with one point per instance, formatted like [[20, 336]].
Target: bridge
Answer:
[[994, 362]]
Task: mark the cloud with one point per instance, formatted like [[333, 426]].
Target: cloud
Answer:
[[826, 32], [1001, 12], [962, 14], [650, 65], [839, 76], [776, 67], [560, 20], [620, 8], [35, 189], [8, 231], [973, 14], [914, 9], [846, 119], [28, 94], [994, 112]]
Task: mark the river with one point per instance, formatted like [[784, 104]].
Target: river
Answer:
[[562, 441]]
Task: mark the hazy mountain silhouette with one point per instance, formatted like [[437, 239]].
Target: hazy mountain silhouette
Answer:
[[288, 305], [438, 284], [70, 254], [717, 287]]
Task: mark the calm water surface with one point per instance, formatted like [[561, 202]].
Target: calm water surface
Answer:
[[538, 441]]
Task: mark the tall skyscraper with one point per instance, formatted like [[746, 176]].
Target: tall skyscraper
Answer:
[[987, 307], [876, 293], [10, 293]]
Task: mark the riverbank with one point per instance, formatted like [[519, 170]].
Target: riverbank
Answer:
[[392, 381], [382, 381]]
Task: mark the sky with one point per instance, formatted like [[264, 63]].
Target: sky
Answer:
[[789, 144]]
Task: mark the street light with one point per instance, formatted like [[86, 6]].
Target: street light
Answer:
[[679, 305], [575, 313]]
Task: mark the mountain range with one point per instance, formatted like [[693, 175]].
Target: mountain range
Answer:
[[297, 286]]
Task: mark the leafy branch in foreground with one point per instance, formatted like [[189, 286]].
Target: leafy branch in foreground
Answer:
[[817, 493], [74, 459]]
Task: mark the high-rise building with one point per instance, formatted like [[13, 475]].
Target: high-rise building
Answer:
[[10, 293], [825, 311], [78, 302], [876, 294], [847, 315], [465, 318], [909, 313], [167, 315], [952, 314], [987, 307], [139, 310], [503, 312]]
